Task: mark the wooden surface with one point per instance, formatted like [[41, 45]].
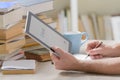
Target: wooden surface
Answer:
[[46, 71]]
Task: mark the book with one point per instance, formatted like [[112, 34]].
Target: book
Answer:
[[18, 56], [62, 20], [108, 27], [12, 39], [11, 46], [80, 25], [33, 47], [11, 32], [29, 42], [42, 16], [69, 24], [7, 6], [39, 15], [12, 56], [101, 27], [95, 25], [10, 18], [115, 21], [41, 54], [36, 6], [88, 25], [30, 2], [53, 25], [9, 55], [47, 20], [19, 67]]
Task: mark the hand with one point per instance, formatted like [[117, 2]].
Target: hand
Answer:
[[65, 62], [100, 52]]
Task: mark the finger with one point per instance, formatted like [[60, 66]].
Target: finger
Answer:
[[52, 54], [59, 51], [91, 45], [92, 57], [54, 58], [96, 51], [96, 57]]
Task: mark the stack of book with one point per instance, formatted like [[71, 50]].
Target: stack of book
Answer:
[[11, 30], [12, 22]]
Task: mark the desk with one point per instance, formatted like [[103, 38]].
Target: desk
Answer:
[[46, 71]]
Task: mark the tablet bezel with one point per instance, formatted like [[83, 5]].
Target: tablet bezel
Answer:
[[27, 31]]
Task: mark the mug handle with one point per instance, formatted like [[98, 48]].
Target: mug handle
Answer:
[[86, 37]]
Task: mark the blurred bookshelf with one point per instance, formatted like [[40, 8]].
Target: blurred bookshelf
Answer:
[[100, 19]]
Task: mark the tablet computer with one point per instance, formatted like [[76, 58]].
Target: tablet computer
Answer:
[[45, 34]]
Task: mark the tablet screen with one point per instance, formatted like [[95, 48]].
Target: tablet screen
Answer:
[[44, 34]]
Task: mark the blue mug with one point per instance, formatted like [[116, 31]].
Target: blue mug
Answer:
[[76, 40]]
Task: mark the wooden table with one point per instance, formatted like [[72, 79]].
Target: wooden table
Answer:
[[46, 71]]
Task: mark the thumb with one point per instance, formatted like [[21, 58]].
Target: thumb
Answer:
[[53, 57], [59, 51]]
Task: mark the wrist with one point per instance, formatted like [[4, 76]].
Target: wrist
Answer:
[[116, 49], [79, 66]]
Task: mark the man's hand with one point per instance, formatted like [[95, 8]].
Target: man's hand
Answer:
[[68, 62], [99, 52], [65, 62]]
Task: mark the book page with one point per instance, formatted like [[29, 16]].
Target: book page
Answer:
[[82, 57]]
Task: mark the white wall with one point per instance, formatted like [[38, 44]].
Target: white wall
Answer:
[[99, 6], [88, 6]]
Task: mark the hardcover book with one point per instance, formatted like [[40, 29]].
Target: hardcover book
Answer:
[[36, 6], [12, 45], [10, 18], [10, 55], [19, 67], [11, 32], [38, 54], [7, 6]]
